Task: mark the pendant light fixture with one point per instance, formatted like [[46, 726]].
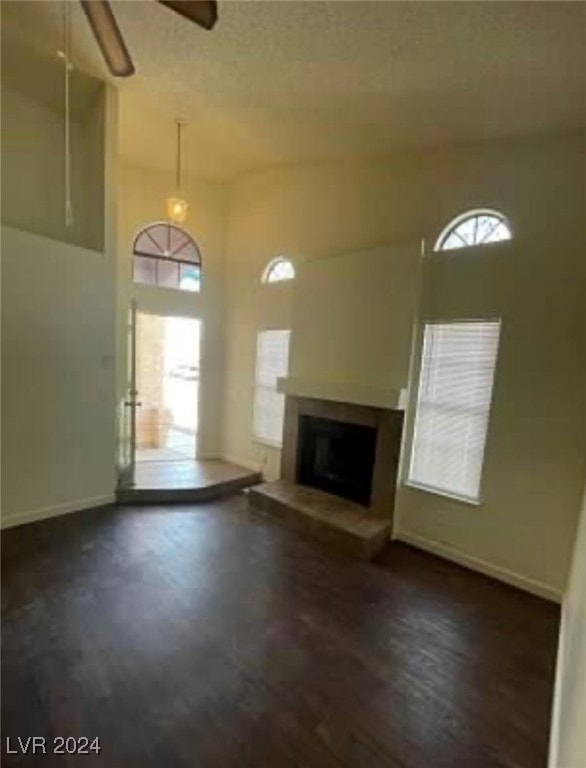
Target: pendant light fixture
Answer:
[[176, 206]]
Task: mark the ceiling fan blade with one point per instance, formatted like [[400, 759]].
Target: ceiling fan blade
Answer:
[[202, 12], [106, 31]]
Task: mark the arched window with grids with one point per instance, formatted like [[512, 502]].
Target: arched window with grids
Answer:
[[474, 228], [278, 269], [167, 256]]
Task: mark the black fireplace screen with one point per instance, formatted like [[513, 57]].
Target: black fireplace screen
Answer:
[[337, 457]]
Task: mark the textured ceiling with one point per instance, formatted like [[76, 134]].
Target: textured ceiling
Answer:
[[282, 82]]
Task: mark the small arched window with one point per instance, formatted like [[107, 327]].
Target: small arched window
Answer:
[[278, 269], [474, 228], [165, 255]]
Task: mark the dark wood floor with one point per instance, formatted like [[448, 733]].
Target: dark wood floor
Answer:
[[208, 636]]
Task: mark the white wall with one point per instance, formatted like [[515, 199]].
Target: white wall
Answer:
[[58, 330], [251, 306], [353, 320], [532, 484], [568, 737], [523, 529], [57, 377], [33, 164], [142, 194]]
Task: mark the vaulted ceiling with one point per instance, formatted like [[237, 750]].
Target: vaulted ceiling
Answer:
[[283, 82]]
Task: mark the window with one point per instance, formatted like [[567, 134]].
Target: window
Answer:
[[165, 255], [474, 228], [453, 404], [279, 269], [272, 362]]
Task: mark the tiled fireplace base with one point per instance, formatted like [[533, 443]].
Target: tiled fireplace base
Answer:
[[349, 527]]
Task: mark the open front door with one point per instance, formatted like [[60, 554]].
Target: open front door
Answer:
[[127, 410]]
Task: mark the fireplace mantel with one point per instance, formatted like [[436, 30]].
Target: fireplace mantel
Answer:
[[392, 399]]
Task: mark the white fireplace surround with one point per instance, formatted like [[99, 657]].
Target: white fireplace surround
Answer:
[[341, 392]]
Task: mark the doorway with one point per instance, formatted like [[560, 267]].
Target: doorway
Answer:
[[167, 384], [158, 417]]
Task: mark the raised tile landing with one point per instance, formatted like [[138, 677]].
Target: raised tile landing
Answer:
[[319, 515], [185, 481]]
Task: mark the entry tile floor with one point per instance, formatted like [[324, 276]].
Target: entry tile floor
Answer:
[[177, 475]]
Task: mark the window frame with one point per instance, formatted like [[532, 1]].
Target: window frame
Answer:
[[265, 277], [166, 259], [454, 223], [261, 440], [413, 407]]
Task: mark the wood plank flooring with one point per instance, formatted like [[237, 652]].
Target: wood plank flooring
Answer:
[[210, 637]]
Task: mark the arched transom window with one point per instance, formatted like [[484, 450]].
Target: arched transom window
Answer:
[[279, 269], [165, 255], [474, 228]]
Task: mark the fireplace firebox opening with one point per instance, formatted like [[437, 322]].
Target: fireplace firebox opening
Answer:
[[337, 457]]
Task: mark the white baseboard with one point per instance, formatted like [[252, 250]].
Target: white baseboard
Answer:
[[554, 734], [482, 566], [240, 462], [31, 516]]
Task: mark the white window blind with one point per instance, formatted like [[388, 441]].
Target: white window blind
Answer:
[[453, 405], [272, 362]]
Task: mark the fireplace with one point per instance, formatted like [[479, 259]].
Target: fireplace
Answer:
[[338, 473], [346, 449], [337, 457]]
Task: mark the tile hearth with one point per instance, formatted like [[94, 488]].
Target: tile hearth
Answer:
[[344, 524]]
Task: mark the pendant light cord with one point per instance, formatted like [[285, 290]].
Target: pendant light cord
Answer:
[[67, 148], [178, 167]]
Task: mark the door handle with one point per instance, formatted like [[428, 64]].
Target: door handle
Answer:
[[132, 403]]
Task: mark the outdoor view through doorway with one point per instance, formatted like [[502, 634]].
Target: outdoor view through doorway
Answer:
[[167, 379]]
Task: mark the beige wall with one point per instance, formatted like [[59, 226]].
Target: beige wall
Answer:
[[263, 307], [32, 137], [142, 194], [568, 737], [353, 320], [526, 525], [523, 529], [250, 306], [58, 302], [57, 377]]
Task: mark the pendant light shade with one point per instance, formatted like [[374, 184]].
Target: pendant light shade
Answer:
[[177, 207]]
